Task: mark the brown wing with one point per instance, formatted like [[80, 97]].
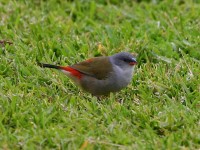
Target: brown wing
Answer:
[[98, 67]]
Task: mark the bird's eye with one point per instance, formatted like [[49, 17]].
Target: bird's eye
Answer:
[[125, 60]]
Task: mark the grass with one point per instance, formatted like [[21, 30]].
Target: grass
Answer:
[[43, 109]]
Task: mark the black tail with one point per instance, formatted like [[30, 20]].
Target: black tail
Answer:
[[48, 66]]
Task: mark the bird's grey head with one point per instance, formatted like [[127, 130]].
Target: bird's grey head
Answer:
[[124, 59]]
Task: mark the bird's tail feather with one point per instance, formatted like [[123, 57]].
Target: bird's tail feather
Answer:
[[49, 66], [67, 70]]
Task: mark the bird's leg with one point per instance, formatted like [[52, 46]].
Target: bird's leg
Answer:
[[120, 100], [98, 98]]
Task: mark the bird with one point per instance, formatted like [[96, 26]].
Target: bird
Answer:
[[101, 75]]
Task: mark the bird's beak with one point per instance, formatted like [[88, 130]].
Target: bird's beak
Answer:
[[133, 62]]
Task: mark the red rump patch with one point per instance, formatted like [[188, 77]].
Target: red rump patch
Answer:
[[74, 72]]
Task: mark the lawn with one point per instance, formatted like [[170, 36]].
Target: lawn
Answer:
[[43, 109]]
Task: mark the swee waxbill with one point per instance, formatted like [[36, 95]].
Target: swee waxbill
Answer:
[[101, 75]]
